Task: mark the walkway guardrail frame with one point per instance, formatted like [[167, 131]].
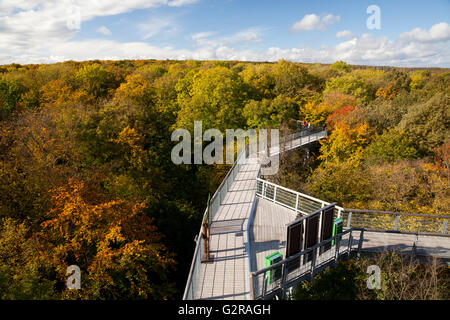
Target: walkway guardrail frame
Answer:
[[215, 201], [299, 202], [400, 221], [262, 290]]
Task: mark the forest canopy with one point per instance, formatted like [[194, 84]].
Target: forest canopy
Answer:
[[86, 176]]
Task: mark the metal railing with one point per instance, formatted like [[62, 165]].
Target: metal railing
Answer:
[[214, 204], [304, 265], [299, 202], [219, 196], [396, 221], [296, 140], [369, 219]]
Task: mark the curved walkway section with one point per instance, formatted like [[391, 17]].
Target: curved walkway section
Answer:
[[227, 276]]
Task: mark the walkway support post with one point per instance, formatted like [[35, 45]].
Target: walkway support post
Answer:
[[444, 226], [252, 295], [397, 219], [206, 233], [350, 242], [361, 240], [349, 218], [338, 244]]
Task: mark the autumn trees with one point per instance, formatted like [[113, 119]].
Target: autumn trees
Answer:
[[86, 176], [401, 278], [113, 241], [211, 95]]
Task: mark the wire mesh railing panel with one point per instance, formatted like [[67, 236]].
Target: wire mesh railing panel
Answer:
[[420, 224], [308, 206], [257, 283], [259, 187], [299, 267], [191, 290], [269, 191], [397, 221], [376, 221], [289, 272], [286, 198]]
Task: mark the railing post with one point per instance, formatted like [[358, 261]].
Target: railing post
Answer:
[[444, 226], [349, 218], [361, 240], [338, 244], [264, 189], [313, 264], [350, 242], [397, 219], [414, 249], [252, 295], [296, 202], [264, 286], [283, 274]]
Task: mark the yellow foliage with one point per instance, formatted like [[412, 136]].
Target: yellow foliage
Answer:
[[345, 142]]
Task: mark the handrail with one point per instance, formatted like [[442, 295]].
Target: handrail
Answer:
[[286, 203], [397, 213], [286, 142], [306, 251], [304, 267], [189, 291], [399, 221], [319, 260], [305, 204]]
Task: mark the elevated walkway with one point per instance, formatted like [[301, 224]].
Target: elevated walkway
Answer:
[[249, 216], [227, 276]]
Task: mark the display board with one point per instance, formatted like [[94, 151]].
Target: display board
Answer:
[[311, 233], [326, 230], [294, 242], [308, 231]]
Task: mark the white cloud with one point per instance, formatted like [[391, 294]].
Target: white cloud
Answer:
[[438, 32], [157, 25], [314, 22], [35, 31], [365, 49], [250, 35], [179, 3], [25, 24], [104, 30], [344, 34], [202, 35]]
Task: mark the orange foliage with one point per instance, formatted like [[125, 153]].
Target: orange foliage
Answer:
[[104, 237], [338, 115]]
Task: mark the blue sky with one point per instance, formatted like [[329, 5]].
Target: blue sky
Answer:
[[413, 33]]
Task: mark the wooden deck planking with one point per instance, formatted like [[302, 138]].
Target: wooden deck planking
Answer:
[[228, 276], [268, 231], [225, 277], [268, 234], [427, 245]]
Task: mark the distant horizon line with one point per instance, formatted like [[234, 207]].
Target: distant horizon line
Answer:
[[219, 60]]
